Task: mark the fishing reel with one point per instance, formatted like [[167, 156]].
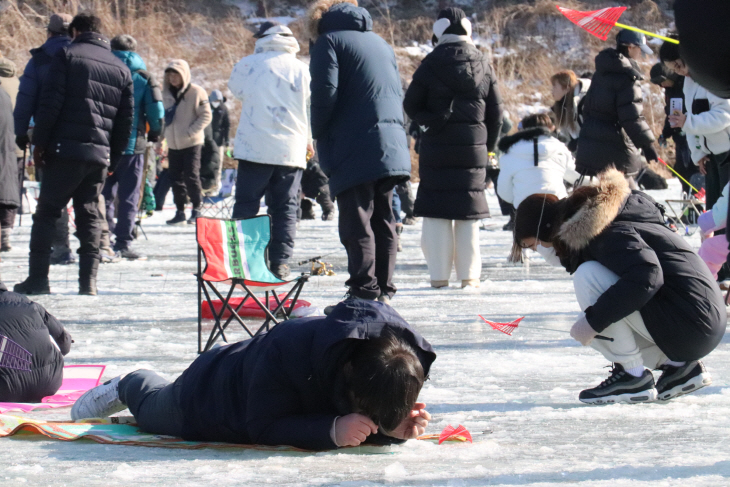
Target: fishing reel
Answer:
[[320, 268]]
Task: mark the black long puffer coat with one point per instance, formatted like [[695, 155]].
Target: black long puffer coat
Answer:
[[614, 128], [454, 156], [32, 327], [86, 106], [659, 274]]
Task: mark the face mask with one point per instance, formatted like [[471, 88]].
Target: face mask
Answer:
[[548, 253], [215, 104]]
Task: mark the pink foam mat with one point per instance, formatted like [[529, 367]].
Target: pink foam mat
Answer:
[[77, 379]]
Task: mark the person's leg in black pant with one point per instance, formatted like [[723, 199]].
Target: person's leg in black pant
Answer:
[[129, 174], [191, 171], [251, 183], [176, 160], [153, 401], [356, 208], [383, 226], [89, 225], [282, 200], [111, 187]]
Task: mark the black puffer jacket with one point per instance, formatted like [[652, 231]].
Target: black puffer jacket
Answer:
[[9, 188], [29, 325], [453, 156], [86, 107], [659, 273], [285, 387], [705, 52], [614, 129]]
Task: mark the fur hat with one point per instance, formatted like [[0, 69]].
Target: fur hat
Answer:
[[124, 42], [451, 20], [319, 8]]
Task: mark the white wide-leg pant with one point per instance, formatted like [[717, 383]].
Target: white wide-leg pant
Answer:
[[632, 345], [449, 243]]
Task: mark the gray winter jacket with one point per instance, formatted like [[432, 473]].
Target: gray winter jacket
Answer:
[[9, 190]]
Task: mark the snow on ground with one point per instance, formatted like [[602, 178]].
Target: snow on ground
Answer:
[[517, 395]]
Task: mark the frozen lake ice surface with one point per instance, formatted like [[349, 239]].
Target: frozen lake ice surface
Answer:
[[518, 395]]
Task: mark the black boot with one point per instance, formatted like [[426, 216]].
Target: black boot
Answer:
[[193, 216], [88, 266], [178, 219], [307, 209], [37, 282]]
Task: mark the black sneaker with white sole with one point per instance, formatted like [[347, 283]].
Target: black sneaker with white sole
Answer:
[[621, 387], [676, 381]]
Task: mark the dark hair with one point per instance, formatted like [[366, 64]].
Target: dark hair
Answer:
[[86, 22], [537, 209], [385, 379], [537, 120], [669, 50], [623, 49]]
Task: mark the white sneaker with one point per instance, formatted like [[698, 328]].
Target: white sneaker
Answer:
[[100, 402]]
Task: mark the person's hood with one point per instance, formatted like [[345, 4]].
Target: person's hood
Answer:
[[182, 67], [216, 95], [345, 16], [360, 320], [133, 60], [53, 45], [7, 68], [599, 211], [506, 142], [460, 66], [582, 87], [611, 61], [277, 42]]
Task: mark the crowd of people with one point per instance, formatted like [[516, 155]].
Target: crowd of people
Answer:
[[567, 177]]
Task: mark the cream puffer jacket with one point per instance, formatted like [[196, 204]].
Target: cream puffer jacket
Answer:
[[193, 112]]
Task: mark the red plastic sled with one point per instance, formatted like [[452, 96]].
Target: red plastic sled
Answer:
[[250, 309]]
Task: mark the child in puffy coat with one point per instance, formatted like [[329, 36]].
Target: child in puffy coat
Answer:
[[534, 162], [714, 250]]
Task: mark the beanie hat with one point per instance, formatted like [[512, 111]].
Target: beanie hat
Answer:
[[123, 42], [269, 28], [215, 95], [451, 20], [58, 23]]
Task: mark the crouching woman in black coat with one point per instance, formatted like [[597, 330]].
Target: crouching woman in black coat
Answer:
[[316, 383], [32, 327], [648, 300]]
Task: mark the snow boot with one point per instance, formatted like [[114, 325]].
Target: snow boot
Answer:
[[88, 267], [280, 270], [439, 284], [307, 209], [470, 283], [193, 216], [676, 381], [621, 387], [37, 282], [129, 254], [398, 233], [5, 240], [410, 220], [64, 258], [100, 402], [384, 298], [178, 219]]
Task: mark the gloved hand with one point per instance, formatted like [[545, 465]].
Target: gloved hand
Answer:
[[229, 152], [22, 141], [650, 153], [583, 332]]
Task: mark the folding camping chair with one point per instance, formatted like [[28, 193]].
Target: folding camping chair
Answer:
[[221, 206], [235, 254]]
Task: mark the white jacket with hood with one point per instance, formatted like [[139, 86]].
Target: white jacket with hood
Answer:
[[707, 132], [273, 86], [519, 177], [192, 114]]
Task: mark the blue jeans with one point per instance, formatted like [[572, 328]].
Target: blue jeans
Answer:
[[280, 185], [153, 401], [124, 184]]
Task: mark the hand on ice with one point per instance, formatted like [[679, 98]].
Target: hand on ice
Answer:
[[583, 332], [414, 425], [351, 430]]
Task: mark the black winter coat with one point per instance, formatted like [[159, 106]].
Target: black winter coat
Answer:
[[453, 156], [614, 129], [705, 52], [285, 387], [221, 125], [357, 118], [29, 325], [86, 107], [9, 187], [210, 159], [659, 273]]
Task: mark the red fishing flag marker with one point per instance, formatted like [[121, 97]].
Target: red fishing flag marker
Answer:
[[455, 434], [600, 22], [506, 328]]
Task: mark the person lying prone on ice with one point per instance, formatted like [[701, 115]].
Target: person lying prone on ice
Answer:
[[315, 383], [639, 284]]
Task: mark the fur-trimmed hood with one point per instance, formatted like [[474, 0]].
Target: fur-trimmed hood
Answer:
[[594, 213], [506, 142]]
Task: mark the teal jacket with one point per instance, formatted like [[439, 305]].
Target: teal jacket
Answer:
[[148, 107]]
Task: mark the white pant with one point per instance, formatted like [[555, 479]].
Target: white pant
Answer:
[[632, 345], [446, 243]]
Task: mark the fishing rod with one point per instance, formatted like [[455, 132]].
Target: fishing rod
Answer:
[[319, 257]]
